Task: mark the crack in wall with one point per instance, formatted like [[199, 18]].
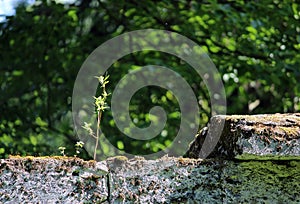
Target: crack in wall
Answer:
[[108, 186]]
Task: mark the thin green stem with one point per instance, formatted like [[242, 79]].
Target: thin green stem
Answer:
[[97, 133], [101, 106]]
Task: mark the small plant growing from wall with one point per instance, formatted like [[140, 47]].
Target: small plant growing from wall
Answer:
[[62, 151], [78, 148], [101, 105]]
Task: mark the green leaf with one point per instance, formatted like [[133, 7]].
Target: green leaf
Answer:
[[120, 145], [251, 30]]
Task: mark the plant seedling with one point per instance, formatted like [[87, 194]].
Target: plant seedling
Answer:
[[78, 147], [101, 105], [62, 151]]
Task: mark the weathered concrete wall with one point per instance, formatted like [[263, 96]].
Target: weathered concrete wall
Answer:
[[166, 180], [57, 179], [235, 173], [177, 180], [268, 134]]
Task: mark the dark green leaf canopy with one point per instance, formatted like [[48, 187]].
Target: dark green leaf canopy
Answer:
[[255, 46]]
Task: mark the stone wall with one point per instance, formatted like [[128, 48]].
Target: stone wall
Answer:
[[245, 167]]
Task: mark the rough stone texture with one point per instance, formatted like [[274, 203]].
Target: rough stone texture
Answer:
[[256, 160], [52, 180], [166, 180], [273, 134], [179, 180]]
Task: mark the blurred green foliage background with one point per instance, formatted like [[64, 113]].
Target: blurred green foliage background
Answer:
[[255, 46]]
